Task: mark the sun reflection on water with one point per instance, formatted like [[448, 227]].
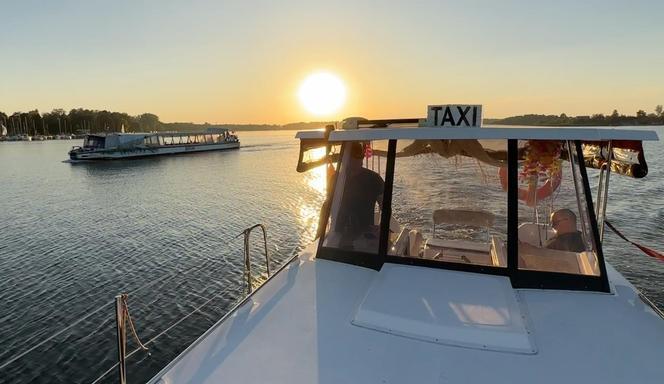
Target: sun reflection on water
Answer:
[[310, 209], [309, 217], [316, 178]]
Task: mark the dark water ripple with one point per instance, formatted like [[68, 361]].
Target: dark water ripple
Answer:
[[74, 236]]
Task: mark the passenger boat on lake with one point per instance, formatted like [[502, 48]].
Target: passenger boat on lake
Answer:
[[435, 263], [112, 146]]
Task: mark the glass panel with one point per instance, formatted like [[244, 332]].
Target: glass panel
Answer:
[[448, 203], [94, 142], [313, 155], [554, 224], [354, 223]]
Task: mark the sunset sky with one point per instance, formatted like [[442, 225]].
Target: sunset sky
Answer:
[[243, 61]]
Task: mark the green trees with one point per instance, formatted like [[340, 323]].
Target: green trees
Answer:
[[598, 119], [3, 118], [76, 121], [56, 122], [149, 122]]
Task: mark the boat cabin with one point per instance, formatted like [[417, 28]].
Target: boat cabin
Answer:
[[445, 192], [101, 141], [133, 140]]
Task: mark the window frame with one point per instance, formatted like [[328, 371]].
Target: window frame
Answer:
[[522, 278]]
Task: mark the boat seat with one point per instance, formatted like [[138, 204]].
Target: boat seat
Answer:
[[550, 260], [459, 244], [553, 260], [458, 251], [415, 243], [535, 234]]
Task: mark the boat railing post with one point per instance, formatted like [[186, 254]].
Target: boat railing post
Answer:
[[247, 256], [247, 259], [600, 189], [267, 255], [605, 194], [121, 331]]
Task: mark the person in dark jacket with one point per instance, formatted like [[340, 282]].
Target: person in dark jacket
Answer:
[[363, 190]]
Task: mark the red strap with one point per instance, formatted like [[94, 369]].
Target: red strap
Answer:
[[648, 251]]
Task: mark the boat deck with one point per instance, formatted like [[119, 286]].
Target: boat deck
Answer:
[[319, 321]]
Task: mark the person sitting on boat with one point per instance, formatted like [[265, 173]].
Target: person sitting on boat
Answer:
[[364, 188], [567, 238]]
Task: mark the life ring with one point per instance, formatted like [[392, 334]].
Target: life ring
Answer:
[[529, 196]]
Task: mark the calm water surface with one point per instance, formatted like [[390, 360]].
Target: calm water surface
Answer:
[[72, 236]]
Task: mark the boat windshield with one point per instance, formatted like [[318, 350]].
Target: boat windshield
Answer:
[[453, 204], [449, 202]]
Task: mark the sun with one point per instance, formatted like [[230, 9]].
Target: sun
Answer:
[[322, 93]]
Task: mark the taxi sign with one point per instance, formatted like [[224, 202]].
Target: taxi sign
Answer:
[[454, 115]]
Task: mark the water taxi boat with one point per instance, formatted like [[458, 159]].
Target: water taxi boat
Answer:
[[447, 252], [112, 146]]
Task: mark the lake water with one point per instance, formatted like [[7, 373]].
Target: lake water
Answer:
[[72, 236]]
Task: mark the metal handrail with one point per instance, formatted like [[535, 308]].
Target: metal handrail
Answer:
[[247, 258], [603, 191], [122, 316], [122, 308], [121, 330]]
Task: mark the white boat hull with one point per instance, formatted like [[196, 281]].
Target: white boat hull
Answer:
[[302, 326], [138, 152]]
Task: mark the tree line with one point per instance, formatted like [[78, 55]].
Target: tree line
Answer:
[[80, 120], [76, 121], [614, 119]]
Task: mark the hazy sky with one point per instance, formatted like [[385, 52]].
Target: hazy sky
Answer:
[[242, 61]]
